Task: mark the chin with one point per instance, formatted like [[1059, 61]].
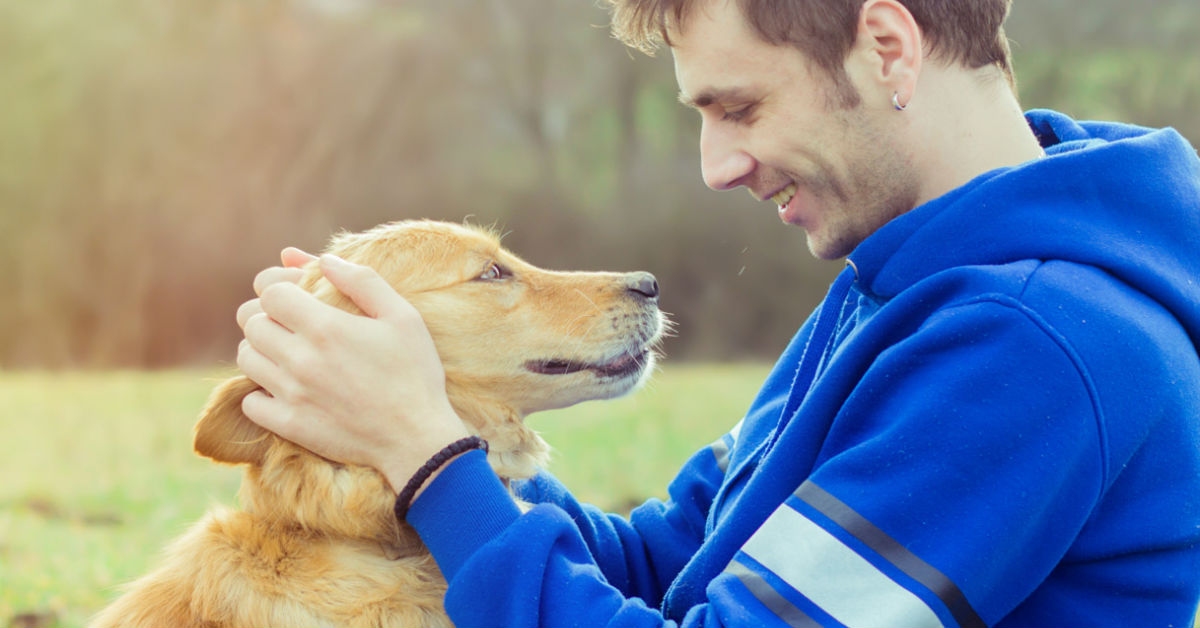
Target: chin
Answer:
[[829, 250]]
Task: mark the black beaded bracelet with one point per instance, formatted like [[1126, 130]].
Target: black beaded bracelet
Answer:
[[404, 499]]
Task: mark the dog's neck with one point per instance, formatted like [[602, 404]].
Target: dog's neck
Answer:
[[515, 450], [294, 487]]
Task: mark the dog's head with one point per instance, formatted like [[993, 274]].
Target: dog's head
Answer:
[[513, 338]]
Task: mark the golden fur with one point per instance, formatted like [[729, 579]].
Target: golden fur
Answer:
[[315, 542]]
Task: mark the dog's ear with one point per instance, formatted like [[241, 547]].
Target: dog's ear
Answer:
[[223, 433]]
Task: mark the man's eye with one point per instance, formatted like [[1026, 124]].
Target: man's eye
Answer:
[[737, 115], [494, 272]]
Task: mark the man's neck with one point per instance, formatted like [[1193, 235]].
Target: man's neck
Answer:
[[972, 124]]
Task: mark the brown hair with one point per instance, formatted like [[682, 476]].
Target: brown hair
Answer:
[[970, 32]]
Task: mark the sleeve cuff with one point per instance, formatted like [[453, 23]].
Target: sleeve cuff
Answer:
[[462, 509]]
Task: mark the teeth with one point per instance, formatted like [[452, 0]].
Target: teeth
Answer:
[[782, 197]]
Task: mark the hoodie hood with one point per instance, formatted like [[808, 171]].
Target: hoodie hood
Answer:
[[1121, 198]]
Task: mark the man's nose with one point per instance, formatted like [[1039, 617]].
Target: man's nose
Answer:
[[722, 163]]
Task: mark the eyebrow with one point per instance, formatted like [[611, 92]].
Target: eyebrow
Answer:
[[710, 96]]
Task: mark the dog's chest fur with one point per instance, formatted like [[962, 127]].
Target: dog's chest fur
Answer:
[[243, 571]]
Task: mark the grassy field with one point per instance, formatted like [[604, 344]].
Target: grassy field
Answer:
[[97, 471]]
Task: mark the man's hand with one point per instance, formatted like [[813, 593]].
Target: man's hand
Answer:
[[366, 390]]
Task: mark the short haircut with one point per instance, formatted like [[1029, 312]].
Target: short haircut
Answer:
[[970, 32]]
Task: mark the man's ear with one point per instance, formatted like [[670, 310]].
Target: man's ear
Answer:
[[223, 432], [893, 44]]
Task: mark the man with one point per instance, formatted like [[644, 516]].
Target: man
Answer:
[[992, 419]]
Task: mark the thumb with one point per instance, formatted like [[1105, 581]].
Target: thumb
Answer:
[[363, 285]]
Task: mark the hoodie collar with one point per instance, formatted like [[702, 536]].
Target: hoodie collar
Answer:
[[1119, 197]]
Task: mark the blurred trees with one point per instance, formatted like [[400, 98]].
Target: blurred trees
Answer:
[[155, 155], [1110, 59]]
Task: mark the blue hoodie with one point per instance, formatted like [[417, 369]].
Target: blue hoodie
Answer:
[[992, 419]]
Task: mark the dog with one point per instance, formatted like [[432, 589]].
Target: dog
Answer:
[[316, 542]]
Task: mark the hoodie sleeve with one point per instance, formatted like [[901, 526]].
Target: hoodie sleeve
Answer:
[[561, 563], [641, 555], [510, 569]]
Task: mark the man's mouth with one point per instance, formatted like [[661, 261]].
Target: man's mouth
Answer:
[[626, 364], [784, 196]]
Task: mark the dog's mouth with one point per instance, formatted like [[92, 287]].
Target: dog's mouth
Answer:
[[627, 364]]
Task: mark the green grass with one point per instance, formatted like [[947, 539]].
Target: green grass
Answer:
[[617, 453], [97, 471]]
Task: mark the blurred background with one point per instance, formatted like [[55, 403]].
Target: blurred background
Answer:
[[155, 155]]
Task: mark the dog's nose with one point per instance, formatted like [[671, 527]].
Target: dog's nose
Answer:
[[642, 283]]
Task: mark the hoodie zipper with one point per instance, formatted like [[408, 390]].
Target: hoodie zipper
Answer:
[[824, 331]]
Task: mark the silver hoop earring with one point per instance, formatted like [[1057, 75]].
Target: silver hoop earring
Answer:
[[896, 102]]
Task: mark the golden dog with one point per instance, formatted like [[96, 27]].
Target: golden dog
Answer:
[[316, 542]]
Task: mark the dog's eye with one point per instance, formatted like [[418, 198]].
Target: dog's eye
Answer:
[[494, 272]]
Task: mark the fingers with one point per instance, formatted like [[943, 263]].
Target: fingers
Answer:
[[259, 368], [270, 338], [280, 305], [374, 296], [297, 310], [246, 310], [291, 272], [267, 346], [293, 257], [269, 413], [274, 275], [269, 343]]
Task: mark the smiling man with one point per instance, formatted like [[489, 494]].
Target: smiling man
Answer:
[[796, 132], [993, 418]]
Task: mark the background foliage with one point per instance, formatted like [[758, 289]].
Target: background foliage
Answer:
[[155, 155]]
